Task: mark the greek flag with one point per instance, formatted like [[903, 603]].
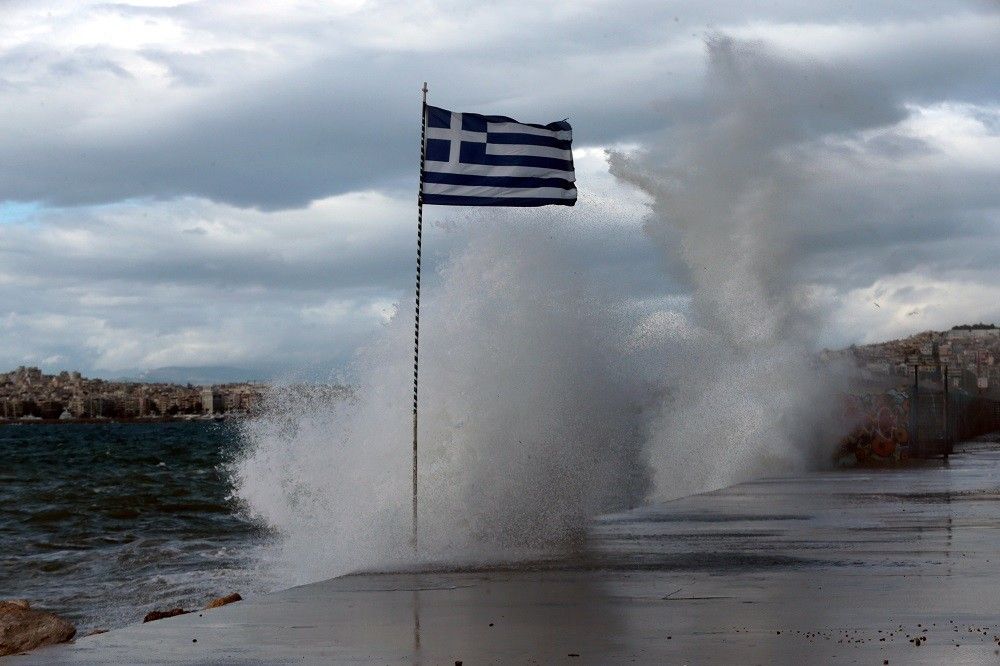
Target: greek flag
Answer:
[[474, 160]]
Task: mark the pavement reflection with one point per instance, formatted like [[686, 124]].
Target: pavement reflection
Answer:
[[836, 567]]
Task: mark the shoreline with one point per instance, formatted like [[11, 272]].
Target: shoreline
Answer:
[[151, 419], [834, 567]]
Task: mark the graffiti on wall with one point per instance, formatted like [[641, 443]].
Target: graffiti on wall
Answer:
[[881, 433]]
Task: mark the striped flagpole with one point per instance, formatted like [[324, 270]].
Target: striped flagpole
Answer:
[[416, 313]]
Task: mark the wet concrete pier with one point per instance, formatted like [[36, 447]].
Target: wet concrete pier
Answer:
[[852, 567]]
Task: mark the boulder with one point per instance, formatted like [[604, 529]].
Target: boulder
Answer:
[[152, 616], [23, 629], [222, 601]]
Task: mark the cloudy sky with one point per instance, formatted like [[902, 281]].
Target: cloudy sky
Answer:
[[218, 183]]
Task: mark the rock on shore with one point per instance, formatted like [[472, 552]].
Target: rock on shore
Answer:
[[152, 616], [23, 629], [222, 601]]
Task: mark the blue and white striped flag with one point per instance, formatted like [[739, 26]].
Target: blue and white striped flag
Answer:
[[474, 160]]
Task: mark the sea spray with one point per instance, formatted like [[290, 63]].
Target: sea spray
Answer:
[[729, 190], [527, 427], [545, 399]]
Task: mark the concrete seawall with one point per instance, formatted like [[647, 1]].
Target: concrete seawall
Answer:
[[836, 567]]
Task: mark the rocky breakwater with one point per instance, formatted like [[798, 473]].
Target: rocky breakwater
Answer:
[[23, 628]]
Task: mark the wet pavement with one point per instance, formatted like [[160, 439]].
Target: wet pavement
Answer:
[[851, 567]]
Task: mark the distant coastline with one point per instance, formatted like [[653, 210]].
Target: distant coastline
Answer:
[[28, 394], [181, 418]]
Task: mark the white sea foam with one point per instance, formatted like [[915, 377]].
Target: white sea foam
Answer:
[[730, 196], [544, 401], [526, 428]]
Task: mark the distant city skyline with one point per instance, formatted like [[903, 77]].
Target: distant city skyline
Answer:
[[30, 393]]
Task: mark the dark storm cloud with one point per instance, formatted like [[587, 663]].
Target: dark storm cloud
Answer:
[[837, 185], [280, 146], [348, 119], [235, 181]]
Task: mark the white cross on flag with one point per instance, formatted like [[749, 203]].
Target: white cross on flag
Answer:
[[475, 160]]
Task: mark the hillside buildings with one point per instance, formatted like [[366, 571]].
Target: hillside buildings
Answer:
[[29, 393], [969, 353]]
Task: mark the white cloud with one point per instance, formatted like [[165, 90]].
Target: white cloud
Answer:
[[911, 302], [121, 288], [233, 182]]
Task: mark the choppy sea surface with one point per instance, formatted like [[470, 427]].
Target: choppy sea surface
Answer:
[[103, 522]]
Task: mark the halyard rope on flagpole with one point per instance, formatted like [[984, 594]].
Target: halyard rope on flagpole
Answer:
[[416, 311]]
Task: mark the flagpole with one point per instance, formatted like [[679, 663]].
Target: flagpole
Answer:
[[416, 311]]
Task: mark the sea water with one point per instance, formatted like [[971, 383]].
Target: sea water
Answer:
[[101, 523]]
